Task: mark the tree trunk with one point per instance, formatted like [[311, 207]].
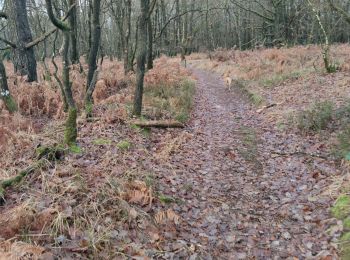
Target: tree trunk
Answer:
[[127, 65], [74, 54], [95, 44], [24, 58], [141, 57], [150, 44], [5, 94], [71, 131]]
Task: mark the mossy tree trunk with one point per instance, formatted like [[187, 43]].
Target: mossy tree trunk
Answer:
[[71, 132], [5, 94], [95, 45], [71, 123]]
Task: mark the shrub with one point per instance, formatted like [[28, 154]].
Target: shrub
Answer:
[[316, 118]]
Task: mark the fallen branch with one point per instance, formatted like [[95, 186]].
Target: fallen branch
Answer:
[[265, 107], [300, 153], [44, 155], [158, 123], [18, 178]]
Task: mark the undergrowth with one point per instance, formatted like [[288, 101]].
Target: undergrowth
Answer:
[[316, 118], [78, 206], [170, 101]]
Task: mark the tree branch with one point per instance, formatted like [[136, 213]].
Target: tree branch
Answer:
[[11, 44], [47, 34], [254, 12], [339, 10], [58, 23]]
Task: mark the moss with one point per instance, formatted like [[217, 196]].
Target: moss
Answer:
[[345, 245], [18, 178], [101, 141], [256, 99], [89, 106], [47, 76], [182, 117], [145, 131], [50, 153], [124, 145], [135, 127], [75, 149], [166, 199], [341, 208], [346, 223], [345, 237], [10, 104], [71, 132]]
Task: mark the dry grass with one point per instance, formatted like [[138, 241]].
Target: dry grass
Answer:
[[293, 78], [168, 91], [269, 63]]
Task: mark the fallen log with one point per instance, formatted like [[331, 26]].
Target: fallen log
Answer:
[[158, 123]]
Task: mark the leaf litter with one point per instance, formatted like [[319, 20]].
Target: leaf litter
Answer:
[[238, 190]]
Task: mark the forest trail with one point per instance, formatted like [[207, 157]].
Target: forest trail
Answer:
[[246, 197]]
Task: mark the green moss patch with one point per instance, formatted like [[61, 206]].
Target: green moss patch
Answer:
[[102, 141], [345, 246], [10, 104], [346, 223], [124, 145], [341, 208], [71, 132], [75, 149]]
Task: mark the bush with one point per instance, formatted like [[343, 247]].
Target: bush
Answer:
[[316, 118]]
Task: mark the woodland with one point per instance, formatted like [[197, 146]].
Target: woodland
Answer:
[[174, 129]]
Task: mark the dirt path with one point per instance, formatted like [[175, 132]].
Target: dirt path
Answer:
[[243, 197]]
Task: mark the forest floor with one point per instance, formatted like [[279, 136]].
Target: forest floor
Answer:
[[238, 182]]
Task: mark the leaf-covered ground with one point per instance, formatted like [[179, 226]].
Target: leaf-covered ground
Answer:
[[249, 190], [232, 185]]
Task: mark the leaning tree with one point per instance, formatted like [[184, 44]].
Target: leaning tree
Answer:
[[71, 131]]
